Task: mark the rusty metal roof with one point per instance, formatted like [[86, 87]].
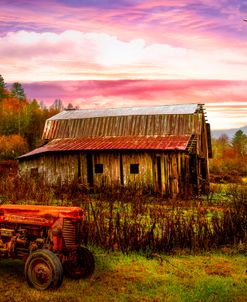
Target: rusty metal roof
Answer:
[[167, 142], [183, 119], [108, 112], [133, 125]]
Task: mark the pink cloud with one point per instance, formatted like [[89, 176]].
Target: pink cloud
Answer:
[[225, 100], [75, 55], [139, 89], [163, 21], [203, 42]]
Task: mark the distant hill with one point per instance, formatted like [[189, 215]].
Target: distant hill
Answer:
[[229, 132]]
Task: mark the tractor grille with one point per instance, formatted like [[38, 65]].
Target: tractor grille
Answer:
[[70, 232]]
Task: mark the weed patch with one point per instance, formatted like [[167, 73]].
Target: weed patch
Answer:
[[129, 221]]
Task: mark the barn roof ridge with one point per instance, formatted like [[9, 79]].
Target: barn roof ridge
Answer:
[[190, 108]]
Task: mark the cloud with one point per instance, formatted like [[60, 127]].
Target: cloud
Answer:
[[218, 21], [106, 4], [190, 90], [188, 50], [74, 55], [225, 100]]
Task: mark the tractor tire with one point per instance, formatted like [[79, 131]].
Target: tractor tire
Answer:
[[84, 265], [43, 270]]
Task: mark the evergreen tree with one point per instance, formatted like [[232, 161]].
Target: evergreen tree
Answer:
[[3, 91], [18, 91], [2, 83]]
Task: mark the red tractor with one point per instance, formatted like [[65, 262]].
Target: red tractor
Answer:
[[47, 238]]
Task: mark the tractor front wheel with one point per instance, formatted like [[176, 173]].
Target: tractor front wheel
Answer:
[[83, 266], [43, 270]]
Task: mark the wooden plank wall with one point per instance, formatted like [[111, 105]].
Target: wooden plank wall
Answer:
[[54, 168], [111, 169], [171, 179]]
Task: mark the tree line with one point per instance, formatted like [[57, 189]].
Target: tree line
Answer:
[[21, 121], [229, 156]]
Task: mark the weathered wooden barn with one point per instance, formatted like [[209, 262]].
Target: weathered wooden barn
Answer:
[[160, 149]]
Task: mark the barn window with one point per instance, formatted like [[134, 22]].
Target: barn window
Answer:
[[134, 169], [34, 172], [98, 168]]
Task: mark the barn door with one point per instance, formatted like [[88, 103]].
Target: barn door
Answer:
[[158, 161], [90, 169], [204, 174], [79, 168], [121, 170]]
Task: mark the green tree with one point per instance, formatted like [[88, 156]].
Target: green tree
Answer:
[[35, 124], [239, 143], [2, 83], [18, 91], [3, 91]]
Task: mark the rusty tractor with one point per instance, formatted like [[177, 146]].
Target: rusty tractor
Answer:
[[47, 239]]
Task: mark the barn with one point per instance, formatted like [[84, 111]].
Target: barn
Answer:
[[163, 149]]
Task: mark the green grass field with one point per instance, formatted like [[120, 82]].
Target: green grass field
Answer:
[[209, 277]]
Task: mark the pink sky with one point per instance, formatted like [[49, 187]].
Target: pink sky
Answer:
[[129, 53]]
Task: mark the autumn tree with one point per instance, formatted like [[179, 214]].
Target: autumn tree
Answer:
[[221, 146], [21, 121], [57, 105], [229, 156], [36, 119], [12, 146]]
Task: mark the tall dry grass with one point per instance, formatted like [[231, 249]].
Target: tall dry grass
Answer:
[[164, 227], [126, 220]]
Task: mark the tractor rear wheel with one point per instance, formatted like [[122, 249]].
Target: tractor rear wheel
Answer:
[[83, 266], [43, 270]]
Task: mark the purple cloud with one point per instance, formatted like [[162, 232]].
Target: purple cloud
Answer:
[[203, 42]]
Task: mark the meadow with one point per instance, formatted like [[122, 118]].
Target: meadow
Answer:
[[146, 248], [203, 277]]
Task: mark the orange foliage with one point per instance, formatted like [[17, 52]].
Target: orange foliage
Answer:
[[226, 161], [229, 153], [21, 121], [12, 146], [13, 104]]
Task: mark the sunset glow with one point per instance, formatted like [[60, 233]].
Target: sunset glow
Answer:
[[129, 53]]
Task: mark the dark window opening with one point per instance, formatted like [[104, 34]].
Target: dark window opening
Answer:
[[134, 169], [98, 168], [159, 171], [121, 170]]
